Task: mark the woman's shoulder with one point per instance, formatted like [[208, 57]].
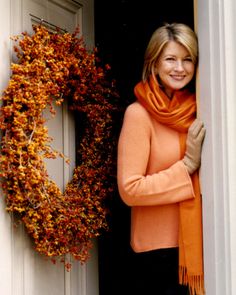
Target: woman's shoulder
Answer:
[[137, 117], [136, 109]]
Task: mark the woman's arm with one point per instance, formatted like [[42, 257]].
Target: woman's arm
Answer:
[[136, 188]]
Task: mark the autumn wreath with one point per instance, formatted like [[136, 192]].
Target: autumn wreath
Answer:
[[50, 68]]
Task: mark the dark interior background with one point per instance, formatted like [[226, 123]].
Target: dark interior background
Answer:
[[122, 31]]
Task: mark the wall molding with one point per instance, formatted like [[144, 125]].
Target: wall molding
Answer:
[[218, 110]]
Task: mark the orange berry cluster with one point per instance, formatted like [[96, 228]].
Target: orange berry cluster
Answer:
[[50, 68]]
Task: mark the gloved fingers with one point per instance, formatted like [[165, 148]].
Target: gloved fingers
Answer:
[[196, 127], [201, 134]]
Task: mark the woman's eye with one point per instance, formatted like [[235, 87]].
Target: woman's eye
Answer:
[[170, 59], [188, 59]]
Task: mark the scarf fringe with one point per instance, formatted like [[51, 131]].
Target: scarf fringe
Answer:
[[194, 282]]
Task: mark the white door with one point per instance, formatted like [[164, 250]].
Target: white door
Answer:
[[28, 272]]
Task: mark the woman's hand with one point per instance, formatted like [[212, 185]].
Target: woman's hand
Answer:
[[196, 134]]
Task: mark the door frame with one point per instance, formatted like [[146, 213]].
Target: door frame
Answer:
[[217, 107]]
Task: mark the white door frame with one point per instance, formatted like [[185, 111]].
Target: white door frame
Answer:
[[216, 23]]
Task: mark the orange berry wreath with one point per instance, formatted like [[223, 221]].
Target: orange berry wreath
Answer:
[[53, 67]]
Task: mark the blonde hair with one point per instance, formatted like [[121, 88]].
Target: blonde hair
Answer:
[[178, 32]]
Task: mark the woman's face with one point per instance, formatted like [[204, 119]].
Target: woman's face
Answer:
[[175, 67]]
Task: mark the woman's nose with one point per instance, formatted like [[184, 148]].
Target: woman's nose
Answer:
[[179, 65]]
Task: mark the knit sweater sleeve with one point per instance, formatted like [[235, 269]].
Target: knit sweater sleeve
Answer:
[[136, 187]]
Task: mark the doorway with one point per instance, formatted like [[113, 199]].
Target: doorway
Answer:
[[122, 31]]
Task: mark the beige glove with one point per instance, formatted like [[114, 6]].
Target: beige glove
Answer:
[[192, 158]]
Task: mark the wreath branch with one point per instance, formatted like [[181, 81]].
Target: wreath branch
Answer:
[[53, 67]]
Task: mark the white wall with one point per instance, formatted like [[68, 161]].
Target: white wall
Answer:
[[4, 41], [217, 81], [5, 222]]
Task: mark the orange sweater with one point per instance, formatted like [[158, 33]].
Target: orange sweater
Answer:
[[151, 179]]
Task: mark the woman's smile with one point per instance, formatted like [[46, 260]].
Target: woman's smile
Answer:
[[175, 68], [178, 77]]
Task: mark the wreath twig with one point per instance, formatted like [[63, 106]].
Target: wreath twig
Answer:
[[52, 67]]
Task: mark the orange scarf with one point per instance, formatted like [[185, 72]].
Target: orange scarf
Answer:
[[178, 113]]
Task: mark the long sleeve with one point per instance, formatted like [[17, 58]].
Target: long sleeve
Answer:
[[141, 179]]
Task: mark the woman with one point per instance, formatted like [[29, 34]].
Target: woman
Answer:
[[159, 154]]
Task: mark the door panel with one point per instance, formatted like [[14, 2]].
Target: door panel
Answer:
[[32, 274], [61, 13]]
